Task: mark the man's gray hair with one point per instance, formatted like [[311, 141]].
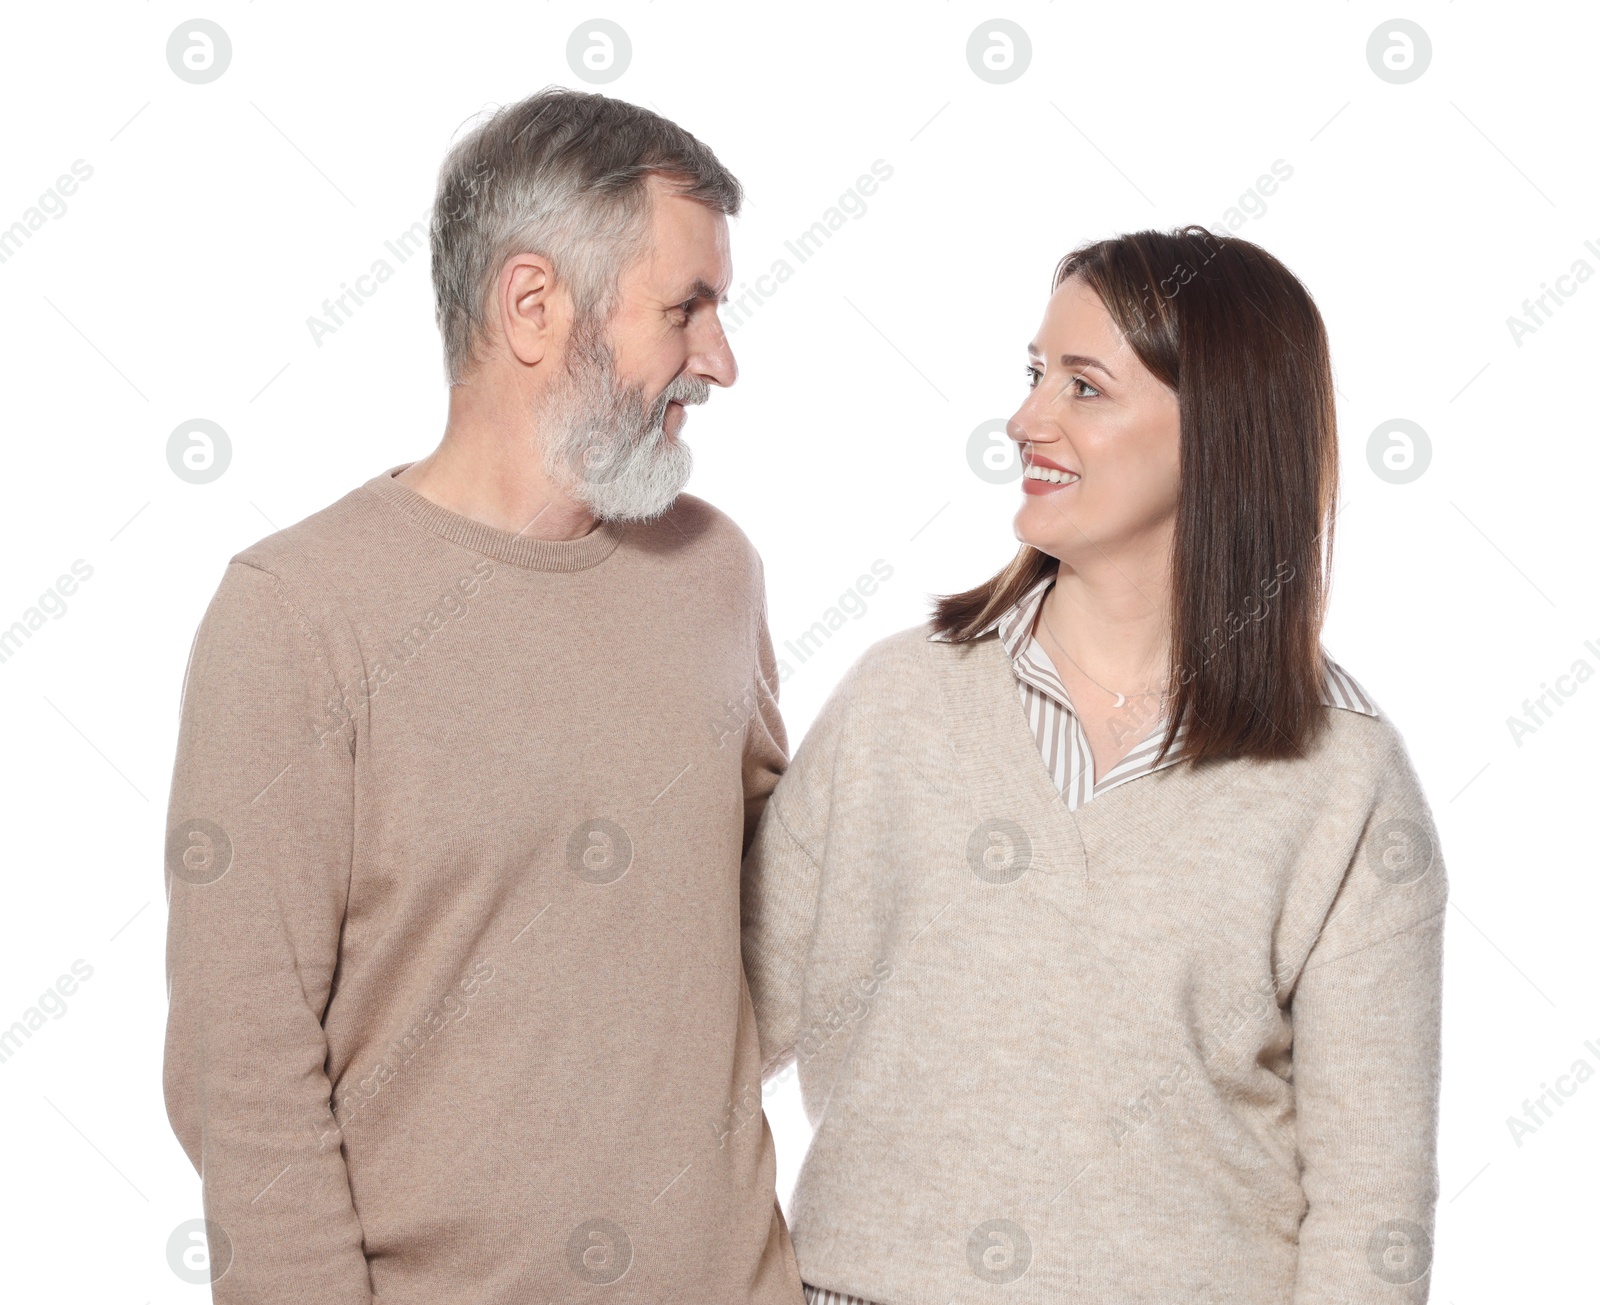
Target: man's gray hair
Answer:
[[561, 174]]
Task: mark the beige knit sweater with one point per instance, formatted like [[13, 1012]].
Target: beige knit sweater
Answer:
[[1179, 1046], [457, 1010]]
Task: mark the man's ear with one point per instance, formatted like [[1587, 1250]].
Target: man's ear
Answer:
[[532, 310]]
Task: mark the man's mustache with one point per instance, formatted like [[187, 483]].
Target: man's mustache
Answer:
[[686, 390]]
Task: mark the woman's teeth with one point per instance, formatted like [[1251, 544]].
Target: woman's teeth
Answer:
[[1051, 474]]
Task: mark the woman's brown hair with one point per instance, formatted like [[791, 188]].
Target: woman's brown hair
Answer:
[[1227, 327]]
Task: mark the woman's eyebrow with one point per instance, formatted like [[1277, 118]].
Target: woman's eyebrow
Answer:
[[1076, 360]]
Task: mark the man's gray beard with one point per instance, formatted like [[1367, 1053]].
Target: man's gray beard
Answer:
[[604, 444]]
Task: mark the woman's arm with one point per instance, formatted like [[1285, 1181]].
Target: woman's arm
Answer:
[[783, 880], [1366, 1018], [782, 883]]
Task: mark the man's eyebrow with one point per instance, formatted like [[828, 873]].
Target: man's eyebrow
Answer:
[[700, 290], [1075, 360]]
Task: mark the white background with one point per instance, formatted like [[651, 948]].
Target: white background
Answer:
[[179, 280]]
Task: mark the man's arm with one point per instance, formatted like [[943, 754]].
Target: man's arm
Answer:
[[766, 744], [257, 872]]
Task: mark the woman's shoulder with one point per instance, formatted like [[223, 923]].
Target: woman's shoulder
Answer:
[[892, 689], [1356, 733], [905, 663], [885, 704]]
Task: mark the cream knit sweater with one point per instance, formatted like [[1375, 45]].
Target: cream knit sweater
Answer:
[[1179, 1046]]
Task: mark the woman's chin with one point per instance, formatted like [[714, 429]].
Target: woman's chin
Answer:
[[1044, 528]]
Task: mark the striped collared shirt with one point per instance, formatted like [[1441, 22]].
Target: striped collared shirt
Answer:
[[821, 1296], [1064, 747]]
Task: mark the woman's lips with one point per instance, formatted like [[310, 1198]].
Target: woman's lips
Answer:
[[1042, 476]]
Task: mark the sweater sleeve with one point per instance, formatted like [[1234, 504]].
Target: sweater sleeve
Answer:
[[782, 884], [778, 904], [1366, 1016], [766, 744], [257, 871]]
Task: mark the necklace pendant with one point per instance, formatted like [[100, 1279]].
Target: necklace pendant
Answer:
[[1121, 699]]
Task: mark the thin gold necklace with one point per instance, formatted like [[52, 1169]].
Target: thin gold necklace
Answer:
[[1121, 698]]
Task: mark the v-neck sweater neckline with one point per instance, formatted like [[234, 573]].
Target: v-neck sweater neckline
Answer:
[[1000, 758]]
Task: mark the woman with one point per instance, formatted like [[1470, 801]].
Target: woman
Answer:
[[1102, 914]]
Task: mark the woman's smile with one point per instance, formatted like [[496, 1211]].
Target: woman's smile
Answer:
[[1042, 476]]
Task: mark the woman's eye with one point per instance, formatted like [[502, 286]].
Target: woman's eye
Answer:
[[1034, 377]]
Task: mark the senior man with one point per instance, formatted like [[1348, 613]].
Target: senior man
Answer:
[[467, 764]]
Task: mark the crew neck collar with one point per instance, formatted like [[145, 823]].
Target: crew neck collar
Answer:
[[491, 541]]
